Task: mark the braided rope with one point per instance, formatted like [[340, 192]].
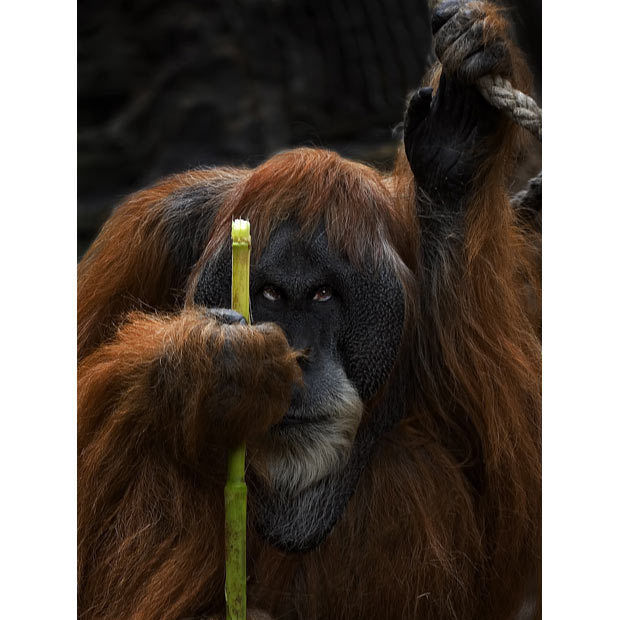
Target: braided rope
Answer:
[[501, 94]]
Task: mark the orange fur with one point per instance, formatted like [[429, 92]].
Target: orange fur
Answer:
[[445, 523]]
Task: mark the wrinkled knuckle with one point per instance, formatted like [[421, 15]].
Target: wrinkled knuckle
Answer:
[[226, 316], [443, 12], [468, 18], [268, 330], [501, 55], [459, 37]]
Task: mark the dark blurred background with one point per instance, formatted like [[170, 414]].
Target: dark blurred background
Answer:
[[166, 85]]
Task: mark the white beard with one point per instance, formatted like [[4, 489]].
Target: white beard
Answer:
[[296, 456]]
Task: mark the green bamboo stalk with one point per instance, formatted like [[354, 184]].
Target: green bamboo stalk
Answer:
[[235, 491]]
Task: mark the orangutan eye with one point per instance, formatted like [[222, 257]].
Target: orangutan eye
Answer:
[[271, 293], [323, 293]]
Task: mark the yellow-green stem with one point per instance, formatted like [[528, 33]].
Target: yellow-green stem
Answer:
[[235, 491]]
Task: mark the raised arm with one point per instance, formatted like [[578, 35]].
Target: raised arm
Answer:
[[458, 146], [477, 349]]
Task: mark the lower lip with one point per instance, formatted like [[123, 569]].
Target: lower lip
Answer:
[[292, 421]]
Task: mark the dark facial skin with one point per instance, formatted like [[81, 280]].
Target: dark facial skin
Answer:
[[343, 320]]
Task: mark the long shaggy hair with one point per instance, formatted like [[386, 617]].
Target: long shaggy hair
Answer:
[[445, 521]]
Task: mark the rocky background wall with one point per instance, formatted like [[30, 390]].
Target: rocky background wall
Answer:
[[167, 85]]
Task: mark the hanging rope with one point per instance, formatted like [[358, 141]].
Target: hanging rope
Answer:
[[523, 110]]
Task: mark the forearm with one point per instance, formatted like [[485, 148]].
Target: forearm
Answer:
[[175, 377], [470, 254], [158, 405], [459, 147]]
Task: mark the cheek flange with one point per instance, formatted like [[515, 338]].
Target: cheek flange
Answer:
[[372, 329]]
